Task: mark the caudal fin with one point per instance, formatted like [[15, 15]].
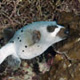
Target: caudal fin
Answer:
[[5, 51]]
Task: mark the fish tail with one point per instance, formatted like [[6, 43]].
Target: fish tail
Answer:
[[5, 51]]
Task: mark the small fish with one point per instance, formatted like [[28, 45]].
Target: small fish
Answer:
[[32, 40]]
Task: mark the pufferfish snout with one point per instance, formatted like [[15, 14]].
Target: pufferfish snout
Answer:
[[32, 40]]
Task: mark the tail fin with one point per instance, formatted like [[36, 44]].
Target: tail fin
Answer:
[[5, 51]]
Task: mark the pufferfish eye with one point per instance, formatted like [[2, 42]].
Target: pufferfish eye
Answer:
[[51, 28]]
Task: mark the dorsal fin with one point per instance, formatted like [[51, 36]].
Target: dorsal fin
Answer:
[[8, 33]]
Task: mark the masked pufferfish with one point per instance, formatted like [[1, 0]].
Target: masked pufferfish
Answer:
[[32, 40]]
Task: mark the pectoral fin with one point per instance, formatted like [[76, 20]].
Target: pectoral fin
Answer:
[[14, 61]]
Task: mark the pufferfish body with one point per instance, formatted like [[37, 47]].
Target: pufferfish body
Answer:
[[32, 40]]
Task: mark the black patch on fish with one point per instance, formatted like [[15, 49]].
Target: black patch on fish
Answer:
[[25, 46], [19, 40], [18, 37], [36, 36], [11, 41], [51, 28], [22, 50], [21, 30]]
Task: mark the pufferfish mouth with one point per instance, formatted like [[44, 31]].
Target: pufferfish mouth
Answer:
[[63, 33]]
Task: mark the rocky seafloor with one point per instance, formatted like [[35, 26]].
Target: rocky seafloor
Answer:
[[14, 14]]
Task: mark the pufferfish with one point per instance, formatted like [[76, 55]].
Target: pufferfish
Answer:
[[32, 40]]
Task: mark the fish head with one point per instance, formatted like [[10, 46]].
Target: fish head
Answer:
[[55, 33]]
